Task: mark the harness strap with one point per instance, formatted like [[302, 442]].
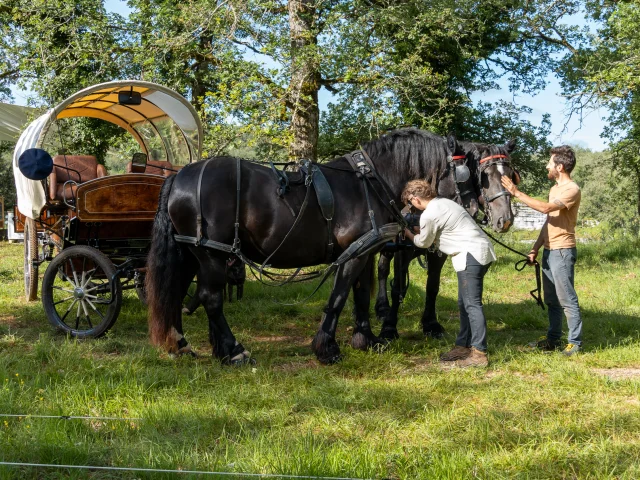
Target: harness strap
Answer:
[[199, 205], [392, 207], [325, 200], [308, 182], [236, 238]]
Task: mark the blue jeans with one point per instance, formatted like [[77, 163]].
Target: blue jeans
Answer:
[[473, 325], [560, 295]]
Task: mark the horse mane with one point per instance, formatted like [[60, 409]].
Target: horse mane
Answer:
[[417, 152]]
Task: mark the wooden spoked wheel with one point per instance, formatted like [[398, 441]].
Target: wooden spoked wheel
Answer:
[[80, 295]]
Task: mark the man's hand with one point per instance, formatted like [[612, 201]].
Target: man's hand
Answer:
[[509, 185], [531, 256]]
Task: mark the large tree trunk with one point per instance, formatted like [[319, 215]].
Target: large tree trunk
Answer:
[[305, 80]]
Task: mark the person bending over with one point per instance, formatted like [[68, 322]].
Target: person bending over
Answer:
[[455, 233]]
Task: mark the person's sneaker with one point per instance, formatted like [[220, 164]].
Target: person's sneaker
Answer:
[[543, 343], [456, 353], [476, 358], [571, 349]]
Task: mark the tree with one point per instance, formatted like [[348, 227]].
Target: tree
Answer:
[[388, 63], [605, 72], [7, 186]]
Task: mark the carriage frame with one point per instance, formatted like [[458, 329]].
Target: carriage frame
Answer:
[[93, 228]]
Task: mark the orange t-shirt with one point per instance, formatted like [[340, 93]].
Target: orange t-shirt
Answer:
[[561, 224]]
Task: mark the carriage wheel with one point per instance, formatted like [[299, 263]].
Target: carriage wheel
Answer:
[[78, 295], [30, 254]]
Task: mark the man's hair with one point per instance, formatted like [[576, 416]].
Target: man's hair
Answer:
[[418, 188], [564, 156]]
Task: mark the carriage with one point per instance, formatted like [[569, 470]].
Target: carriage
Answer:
[[94, 228]]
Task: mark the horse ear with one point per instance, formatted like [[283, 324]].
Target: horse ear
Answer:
[[510, 145], [452, 143]]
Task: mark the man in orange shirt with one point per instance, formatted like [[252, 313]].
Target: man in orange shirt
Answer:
[[559, 256]]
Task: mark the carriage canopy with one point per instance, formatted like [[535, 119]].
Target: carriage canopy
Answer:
[[163, 122]]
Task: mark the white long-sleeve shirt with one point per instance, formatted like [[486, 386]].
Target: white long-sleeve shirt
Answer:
[[454, 232]]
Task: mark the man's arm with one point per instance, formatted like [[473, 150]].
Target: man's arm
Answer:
[[533, 253], [538, 205]]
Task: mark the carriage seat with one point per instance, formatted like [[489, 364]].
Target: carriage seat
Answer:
[[156, 167], [82, 168]]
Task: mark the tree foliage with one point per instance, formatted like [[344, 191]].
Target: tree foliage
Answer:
[[254, 68], [607, 195], [606, 72]]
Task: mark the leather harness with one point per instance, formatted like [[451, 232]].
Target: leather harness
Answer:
[[313, 177]]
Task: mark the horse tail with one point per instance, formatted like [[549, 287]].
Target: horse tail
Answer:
[[372, 276], [163, 280]]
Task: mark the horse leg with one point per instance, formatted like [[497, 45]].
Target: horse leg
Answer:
[[192, 305], [224, 344], [382, 300], [324, 343], [239, 291], [363, 338], [230, 292], [401, 261], [430, 325]]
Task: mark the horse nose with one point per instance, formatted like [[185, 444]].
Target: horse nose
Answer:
[[500, 223]]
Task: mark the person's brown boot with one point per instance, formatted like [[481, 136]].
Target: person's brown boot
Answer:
[[475, 359], [456, 353]]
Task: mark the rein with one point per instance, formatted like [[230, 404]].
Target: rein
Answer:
[[520, 265]]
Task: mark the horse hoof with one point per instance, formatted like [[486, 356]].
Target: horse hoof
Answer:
[[434, 335], [242, 362], [389, 335], [332, 360], [360, 341]]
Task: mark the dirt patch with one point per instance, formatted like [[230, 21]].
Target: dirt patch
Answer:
[[11, 321], [293, 340], [290, 367], [618, 373]]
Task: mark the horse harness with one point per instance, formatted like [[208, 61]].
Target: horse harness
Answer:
[[461, 174], [313, 177], [485, 163]]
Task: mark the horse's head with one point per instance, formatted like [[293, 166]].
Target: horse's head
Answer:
[[459, 180], [494, 161]]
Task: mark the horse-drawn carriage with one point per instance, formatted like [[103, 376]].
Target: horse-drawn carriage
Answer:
[[94, 227]]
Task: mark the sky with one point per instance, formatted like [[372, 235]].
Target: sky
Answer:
[[585, 133]]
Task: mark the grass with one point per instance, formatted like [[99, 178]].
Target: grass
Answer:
[[389, 415]]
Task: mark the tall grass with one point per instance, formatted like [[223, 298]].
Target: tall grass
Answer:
[[394, 414]]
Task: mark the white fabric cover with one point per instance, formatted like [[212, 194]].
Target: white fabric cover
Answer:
[[31, 193]]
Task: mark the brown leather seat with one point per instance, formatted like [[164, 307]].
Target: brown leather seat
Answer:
[[156, 167], [81, 168]]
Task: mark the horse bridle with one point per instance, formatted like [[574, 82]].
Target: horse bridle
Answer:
[[486, 162], [454, 165]]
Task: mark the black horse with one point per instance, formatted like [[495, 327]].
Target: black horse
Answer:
[[482, 178], [225, 188]]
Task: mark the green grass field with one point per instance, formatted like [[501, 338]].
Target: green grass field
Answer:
[[394, 414]]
